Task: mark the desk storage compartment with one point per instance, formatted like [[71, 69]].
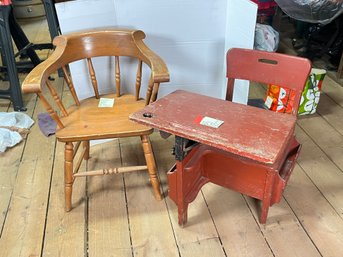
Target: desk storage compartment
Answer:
[[285, 172], [242, 175], [171, 175]]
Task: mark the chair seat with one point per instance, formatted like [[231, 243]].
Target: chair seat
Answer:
[[89, 121]]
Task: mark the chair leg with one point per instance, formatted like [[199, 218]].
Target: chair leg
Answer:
[[264, 211], [150, 160], [68, 174], [86, 145], [182, 210], [270, 175]]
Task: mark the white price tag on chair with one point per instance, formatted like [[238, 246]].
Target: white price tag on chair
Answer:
[[106, 102]]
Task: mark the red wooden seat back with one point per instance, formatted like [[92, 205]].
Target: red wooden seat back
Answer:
[[268, 68]]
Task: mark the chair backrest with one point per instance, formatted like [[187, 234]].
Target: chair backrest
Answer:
[[86, 45], [267, 68]]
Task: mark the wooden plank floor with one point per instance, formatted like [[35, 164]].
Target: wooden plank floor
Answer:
[[118, 216]]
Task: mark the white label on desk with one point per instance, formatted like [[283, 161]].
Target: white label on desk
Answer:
[[106, 102], [211, 122]]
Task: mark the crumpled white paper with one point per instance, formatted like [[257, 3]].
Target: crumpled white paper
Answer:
[[9, 138]]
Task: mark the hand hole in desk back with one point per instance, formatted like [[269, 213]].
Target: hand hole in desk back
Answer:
[[268, 61]]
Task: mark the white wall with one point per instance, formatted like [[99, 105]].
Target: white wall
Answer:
[[192, 36]]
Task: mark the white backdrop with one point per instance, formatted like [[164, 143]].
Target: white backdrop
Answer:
[[192, 36]]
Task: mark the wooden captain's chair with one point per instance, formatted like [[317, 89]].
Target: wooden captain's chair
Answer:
[[267, 68], [84, 120]]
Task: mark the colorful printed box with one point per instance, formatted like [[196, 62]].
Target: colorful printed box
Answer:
[[280, 99]]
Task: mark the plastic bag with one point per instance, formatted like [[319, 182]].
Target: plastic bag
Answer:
[[313, 11], [8, 138], [9, 121], [266, 38], [16, 119]]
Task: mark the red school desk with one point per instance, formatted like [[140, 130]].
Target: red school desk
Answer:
[[253, 152]]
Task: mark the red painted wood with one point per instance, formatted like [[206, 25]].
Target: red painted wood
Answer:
[[247, 131], [253, 152], [268, 68], [208, 164]]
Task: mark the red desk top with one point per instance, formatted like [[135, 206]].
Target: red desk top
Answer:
[[247, 131]]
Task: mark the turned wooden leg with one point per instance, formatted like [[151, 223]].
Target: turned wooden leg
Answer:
[[150, 161], [68, 174], [86, 145]]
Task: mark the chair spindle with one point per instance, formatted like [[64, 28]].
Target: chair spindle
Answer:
[[56, 98], [49, 109], [93, 77], [149, 90], [155, 92], [117, 75], [70, 85], [138, 79]]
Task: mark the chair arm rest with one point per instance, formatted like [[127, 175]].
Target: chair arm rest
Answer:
[[158, 67], [38, 76]]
